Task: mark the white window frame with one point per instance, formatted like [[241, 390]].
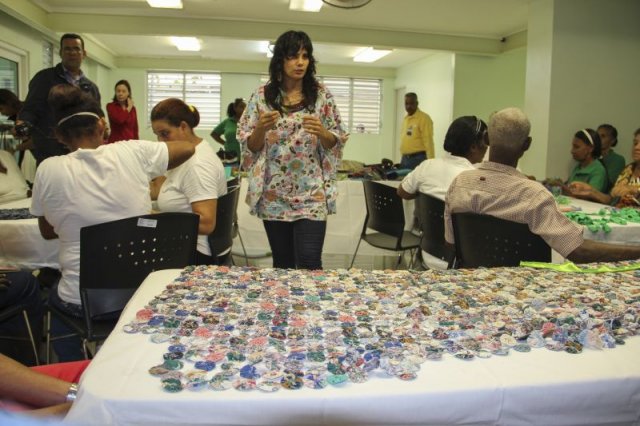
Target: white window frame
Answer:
[[203, 94], [359, 101]]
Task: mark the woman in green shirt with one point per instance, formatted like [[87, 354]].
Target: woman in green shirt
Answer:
[[228, 128], [586, 149], [612, 161]]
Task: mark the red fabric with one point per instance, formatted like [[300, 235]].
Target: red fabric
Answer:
[[67, 371], [124, 124]]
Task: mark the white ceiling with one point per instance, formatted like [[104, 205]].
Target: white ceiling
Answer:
[[470, 19]]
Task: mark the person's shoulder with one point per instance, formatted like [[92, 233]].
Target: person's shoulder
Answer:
[[46, 72]]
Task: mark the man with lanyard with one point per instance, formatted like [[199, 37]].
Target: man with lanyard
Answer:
[[36, 113], [417, 134]]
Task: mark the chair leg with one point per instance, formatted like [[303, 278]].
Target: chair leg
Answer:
[[353, 259], [33, 341], [85, 348], [244, 250], [48, 337], [399, 259]]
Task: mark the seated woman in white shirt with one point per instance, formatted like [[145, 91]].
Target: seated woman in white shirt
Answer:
[[196, 185], [93, 184], [465, 144]]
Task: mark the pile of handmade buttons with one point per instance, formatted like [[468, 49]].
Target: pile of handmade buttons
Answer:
[[269, 329], [600, 221]]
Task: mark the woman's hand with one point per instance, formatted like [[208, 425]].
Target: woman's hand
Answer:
[[580, 190], [312, 124], [267, 120]]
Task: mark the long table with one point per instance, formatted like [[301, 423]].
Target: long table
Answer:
[[540, 387], [21, 243]]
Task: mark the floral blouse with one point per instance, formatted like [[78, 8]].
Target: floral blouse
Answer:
[[293, 177], [625, 179]]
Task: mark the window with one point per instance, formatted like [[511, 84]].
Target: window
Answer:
[[47, 54], [202, 90], [358, 101]]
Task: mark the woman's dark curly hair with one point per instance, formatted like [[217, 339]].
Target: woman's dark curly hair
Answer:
[[287, 46], [66, 100]]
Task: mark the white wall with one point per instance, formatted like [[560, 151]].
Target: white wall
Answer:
[[582, 70], [485, 84], [432, 79]]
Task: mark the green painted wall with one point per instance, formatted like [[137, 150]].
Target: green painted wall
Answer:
[[485, 84]]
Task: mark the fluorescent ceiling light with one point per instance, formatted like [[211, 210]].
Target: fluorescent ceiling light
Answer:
[[186, 43], [370, 54], [305, 5], [166, 4]]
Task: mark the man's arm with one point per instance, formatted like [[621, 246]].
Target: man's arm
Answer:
[[596, 251], [179, 152], [46, 229], [404, 194]]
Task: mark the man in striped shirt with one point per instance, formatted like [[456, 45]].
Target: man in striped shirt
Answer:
[[497, 189]]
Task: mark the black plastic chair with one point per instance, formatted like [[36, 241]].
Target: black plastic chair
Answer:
[[221, 239], [430, 213], [115, 258], [483, 240], [385, 215], [13, 311]]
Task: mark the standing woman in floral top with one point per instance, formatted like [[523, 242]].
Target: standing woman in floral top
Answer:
[[292, 139]]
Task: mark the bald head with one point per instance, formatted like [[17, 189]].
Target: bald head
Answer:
[[508, 135]]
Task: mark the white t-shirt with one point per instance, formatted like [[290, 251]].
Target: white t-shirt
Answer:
[[91, 186], [199, 178], [13, 186], [433, 177]]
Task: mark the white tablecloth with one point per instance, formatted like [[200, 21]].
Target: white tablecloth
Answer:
[[21, 243], [343, 228], [541, 387]]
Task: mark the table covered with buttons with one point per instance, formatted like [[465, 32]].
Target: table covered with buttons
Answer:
[[218, 345]]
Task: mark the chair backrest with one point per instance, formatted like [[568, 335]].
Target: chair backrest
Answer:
[[483, 240], [221, 238], [385, 213], [115, 257], [430, 213], [233, 183]]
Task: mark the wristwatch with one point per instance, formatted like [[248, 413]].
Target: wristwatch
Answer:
[[72, 393]]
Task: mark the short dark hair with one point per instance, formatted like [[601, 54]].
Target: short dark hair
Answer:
[[8, 98], [123, 82], [463, 133], [411, 95], [597, 144], [175, 111], [612, 130], [73, 36]]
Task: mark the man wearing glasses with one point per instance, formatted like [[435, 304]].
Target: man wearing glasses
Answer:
[[36, 118]]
